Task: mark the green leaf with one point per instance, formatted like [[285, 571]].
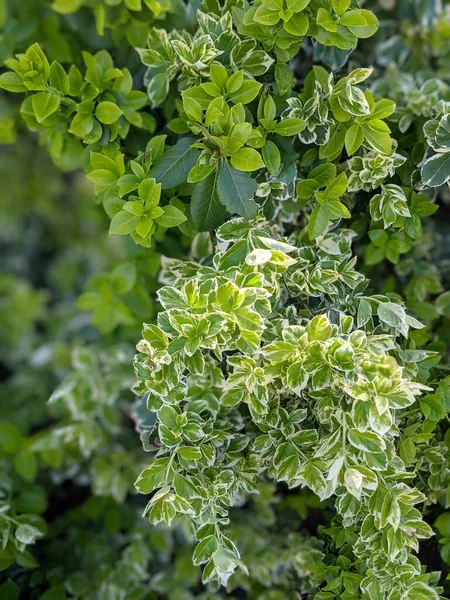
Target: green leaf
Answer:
[[10, 438], [354, 138], [353, 19], [26, 465], [271, 156], [247, 92], [36, 55], [297, 25], [149, 191], [206, 209], [9, 590], [145, 227], [102, 179], [323, 174], [108, 113], [158, 88], [391, 314], [66, 7], [319, 328], [297, 5], [44, 105], [235, 190], [377, 135], [436, 170], [193, 109], [265, 16], [205, 550], [172, 217], [12, 82], [286, 462], [338, 210], [234, 82], [59, 78], [325, 20], [340, 6], [306, 188], [189, 453], [318, 221], [27, 534], [123, 277], [370, 27], [366, 441], [200, 172], [336, 188], [123, 223], [153, 476], [247, 159], [219, 75], [167, 436], [174, 166], [335, 144], [421, 591], [296, 378], [289, 127]]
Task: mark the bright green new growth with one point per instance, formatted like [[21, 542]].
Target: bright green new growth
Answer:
[[274, 364]]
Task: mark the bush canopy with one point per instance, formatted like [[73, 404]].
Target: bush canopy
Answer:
[[253, 200]]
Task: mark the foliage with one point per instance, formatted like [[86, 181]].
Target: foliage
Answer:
[[268, 173]]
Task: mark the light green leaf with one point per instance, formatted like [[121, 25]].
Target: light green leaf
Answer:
[[247, 92], [289, 127], [367, 30], [271, 156], [44, 105], [192, 109], [340, 6], [297, 378], [366, 441], [323, 174], [247, 159], [25, 463], [172, 217], [318, 221], [354, 137], [205, 550], [108, 112], [66, 7], [297, 5], [158, 88], [335, 144], [123, 223], [149, 191], [336, 188], [153, 476], [219, 75], [297, 25], [306, 188], [377, 135], [325, 20], [12, 82], [59, 78]]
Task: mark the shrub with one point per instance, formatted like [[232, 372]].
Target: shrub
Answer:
[[268, 174]]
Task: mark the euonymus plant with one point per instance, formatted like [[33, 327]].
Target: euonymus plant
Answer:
[[268, 173]]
